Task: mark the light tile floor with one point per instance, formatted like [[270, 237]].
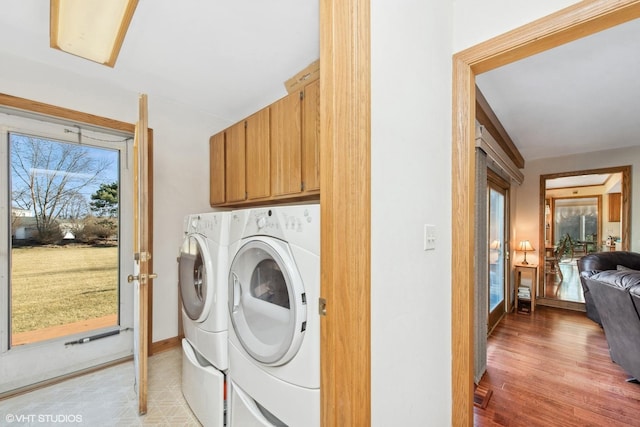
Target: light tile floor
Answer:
[[106, 398]]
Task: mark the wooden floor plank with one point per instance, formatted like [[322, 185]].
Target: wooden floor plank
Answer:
[[552, 368]]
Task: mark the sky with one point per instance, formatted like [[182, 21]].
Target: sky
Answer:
[[45, 160]]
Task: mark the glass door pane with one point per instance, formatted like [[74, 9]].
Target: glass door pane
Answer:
[[66, 205], [64, 238], [497, 254]]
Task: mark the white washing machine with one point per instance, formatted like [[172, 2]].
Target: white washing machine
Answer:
[[274, 335], [202, 278]]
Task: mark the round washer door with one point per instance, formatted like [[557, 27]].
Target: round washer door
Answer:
[[267, 301], [195, 277]]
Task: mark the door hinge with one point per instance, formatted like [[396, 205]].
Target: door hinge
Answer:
[[142, 256], [322, 306], [302, 186], [301, 95]]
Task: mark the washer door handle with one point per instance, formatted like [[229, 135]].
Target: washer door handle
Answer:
[[237, 293]]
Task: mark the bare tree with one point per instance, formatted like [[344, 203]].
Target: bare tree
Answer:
[[48, 178]]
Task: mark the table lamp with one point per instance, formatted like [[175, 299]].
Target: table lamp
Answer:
[[525, 247]]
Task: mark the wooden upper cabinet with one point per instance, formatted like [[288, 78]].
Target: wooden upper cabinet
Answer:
[[286, 145], [273, 155], [235, 163], [217, 169], [615, 207], [257, 155], [311, 137]]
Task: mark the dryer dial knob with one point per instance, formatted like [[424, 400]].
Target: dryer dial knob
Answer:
[[261, 222]]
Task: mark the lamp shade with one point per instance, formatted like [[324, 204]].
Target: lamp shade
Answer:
[[495, 245], [525, 246]]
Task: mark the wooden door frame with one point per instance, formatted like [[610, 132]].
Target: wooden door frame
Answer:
[[566, 25], [345, 203]]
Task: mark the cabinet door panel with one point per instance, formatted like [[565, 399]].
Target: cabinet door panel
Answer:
[[258, 161], [615, 201], [286, 147], [311, 137], [216, 169], [235, 162]]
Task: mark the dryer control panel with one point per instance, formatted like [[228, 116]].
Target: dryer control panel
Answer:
[[294, 224]]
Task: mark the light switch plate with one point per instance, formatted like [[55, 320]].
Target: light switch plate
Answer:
[[429, 237]]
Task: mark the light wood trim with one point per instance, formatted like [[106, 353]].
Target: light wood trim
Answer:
[[257, 152], [142, 246], [574, 22], [569, 24], [53, 111], [286, 145], [345, 154], [311, 136], [164, 345], [310, 73], [463, 220], [122, 32], [235, 171], [216, 169]]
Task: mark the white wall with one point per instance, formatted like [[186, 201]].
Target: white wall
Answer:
[[411, 186], [181, 159], [411, 48], [527, 221], [478, 21]]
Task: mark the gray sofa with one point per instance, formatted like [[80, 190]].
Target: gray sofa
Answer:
[[615, 295], [603, 261]]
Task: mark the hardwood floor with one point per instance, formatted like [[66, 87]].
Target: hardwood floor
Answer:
[[552, 368]]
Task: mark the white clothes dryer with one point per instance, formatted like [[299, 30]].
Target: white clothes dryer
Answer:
[[274, 335], [202, 279]]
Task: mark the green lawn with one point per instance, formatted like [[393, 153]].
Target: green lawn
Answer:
[[52, 286]]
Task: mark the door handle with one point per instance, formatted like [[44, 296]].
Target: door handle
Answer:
[[131, 277], [237, 290]]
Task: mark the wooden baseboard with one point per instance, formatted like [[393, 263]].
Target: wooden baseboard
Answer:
[[164, 345]]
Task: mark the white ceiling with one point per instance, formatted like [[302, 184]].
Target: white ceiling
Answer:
[[586, 180], [230, 58], [580, 97], [224, 58]]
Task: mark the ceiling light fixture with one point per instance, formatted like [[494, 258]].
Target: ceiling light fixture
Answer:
[[91, 29]]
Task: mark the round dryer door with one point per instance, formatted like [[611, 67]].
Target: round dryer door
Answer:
[[267, 301], [195, 276]]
